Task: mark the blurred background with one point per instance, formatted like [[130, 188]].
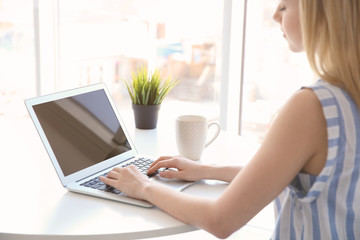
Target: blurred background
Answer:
[[233, 64]]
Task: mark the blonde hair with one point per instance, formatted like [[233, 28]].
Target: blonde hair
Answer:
[[331, 38]]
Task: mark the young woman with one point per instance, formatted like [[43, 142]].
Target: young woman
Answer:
[[309, 161]]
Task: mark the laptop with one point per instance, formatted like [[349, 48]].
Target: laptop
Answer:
[[85, 138]]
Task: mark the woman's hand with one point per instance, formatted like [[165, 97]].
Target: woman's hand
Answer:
[[129, 180], [188, 170]]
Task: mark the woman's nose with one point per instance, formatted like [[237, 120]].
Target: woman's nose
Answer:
[[277, 15]]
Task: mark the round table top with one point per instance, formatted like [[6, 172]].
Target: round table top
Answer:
[[34, 205]]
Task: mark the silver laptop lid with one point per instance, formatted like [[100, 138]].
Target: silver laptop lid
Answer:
[[81, 131]]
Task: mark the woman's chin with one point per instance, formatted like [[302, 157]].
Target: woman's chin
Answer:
[[295, 48]]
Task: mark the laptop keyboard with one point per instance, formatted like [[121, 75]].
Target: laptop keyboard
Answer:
[[141, 163]]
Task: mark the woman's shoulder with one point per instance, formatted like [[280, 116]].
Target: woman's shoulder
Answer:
[[301, 121], [304, 104]]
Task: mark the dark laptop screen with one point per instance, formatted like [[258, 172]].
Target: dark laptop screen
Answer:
[[82, 130]]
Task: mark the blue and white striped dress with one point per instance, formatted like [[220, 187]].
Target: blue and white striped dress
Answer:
[[327, 206]]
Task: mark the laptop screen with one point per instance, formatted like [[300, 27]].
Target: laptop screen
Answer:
[[82, 130]]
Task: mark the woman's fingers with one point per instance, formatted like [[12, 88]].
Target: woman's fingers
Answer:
[[128, 180], [170, 174], [162, 158], [113, 174], [164, 163], [117, 173], [108, 181]]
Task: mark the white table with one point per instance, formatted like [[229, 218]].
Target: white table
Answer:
[[34, 205]]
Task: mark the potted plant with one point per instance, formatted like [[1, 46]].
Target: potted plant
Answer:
[[147, 91]]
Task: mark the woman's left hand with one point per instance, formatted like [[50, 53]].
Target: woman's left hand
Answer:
[[128, 180]]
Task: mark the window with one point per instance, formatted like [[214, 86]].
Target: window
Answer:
[[271, 71], [17, 60], [105, 40], [241, 78]]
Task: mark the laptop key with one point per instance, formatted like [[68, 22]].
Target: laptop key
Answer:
[[116, 191], [109, 189], [102, 188]]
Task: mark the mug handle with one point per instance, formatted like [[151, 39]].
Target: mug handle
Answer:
[[215, 135]]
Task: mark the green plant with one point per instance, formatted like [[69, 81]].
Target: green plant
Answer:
[[148, 89]]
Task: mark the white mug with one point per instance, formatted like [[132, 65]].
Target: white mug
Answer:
[[191, 135]]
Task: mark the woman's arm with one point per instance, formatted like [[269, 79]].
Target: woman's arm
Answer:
[[296, 142], [192, 170], [221, 173]]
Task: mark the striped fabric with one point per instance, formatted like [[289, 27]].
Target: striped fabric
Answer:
[[327, 206]]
